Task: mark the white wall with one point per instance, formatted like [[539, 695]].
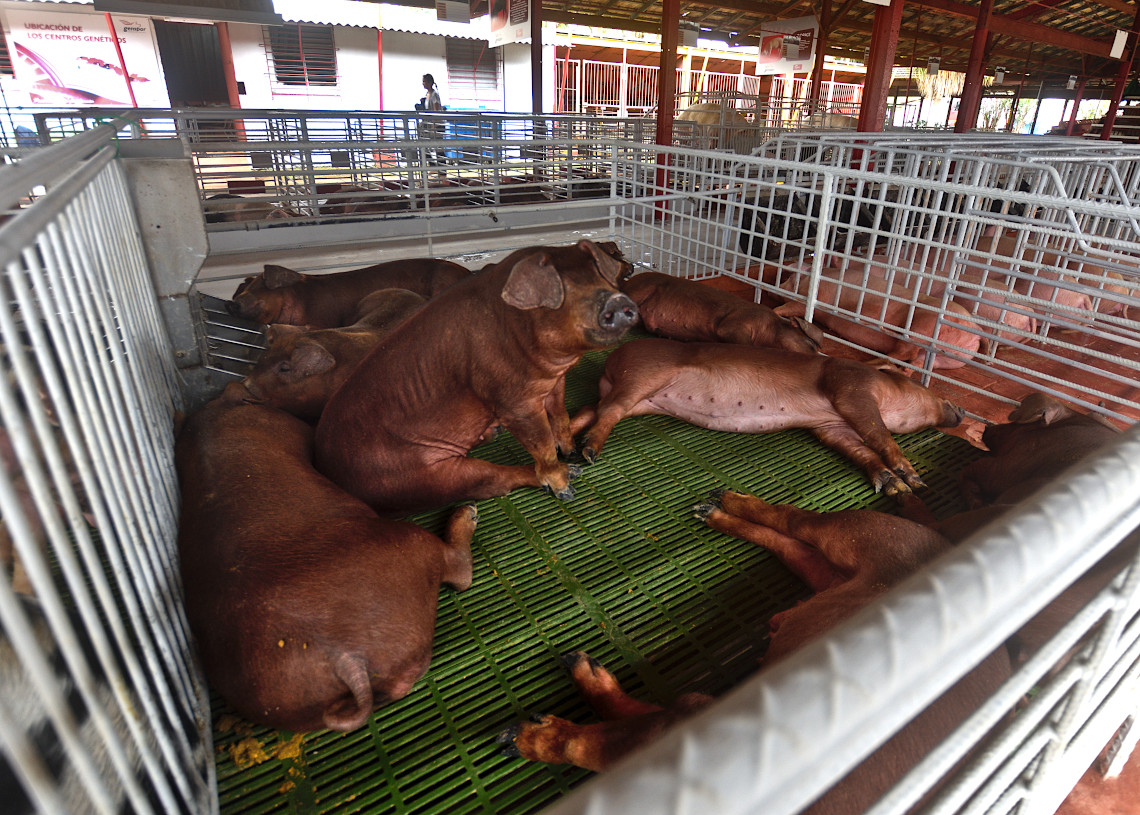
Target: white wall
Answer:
[[358, 87], [407, 57]]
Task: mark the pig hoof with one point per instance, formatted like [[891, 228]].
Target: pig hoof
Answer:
[[564, 494], [589, 454], [703, 511], [895, 486], [572, 658], [717, 494], [507, 738]]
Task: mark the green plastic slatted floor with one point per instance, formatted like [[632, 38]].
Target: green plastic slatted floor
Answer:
[[623, 571]]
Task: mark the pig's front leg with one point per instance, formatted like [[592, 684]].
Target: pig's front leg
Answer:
[[843, 438], [861, 413], [533, 432], [559, 419]]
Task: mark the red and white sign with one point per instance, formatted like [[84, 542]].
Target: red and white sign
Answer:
[[510, 21], [773, 32], [69, 60]]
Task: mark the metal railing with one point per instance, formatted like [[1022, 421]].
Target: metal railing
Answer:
[[96, 670]]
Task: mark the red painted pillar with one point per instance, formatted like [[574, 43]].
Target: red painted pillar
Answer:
[[884, 43], [1128, 57], [380, 67], [820, 46], [1076, 104], [972, 89], [667, 90], [667, 75], [228, 64]]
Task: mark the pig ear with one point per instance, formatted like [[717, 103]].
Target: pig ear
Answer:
[[1038, 407], [310, 359], [810, 330], [533, 282], [611, 267], [243, 286], [277, 277], [278, 330]]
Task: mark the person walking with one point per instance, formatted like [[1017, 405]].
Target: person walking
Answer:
[[431, 101]]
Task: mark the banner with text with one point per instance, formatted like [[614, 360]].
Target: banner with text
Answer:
[[510, 21], [69, 60], [796, 57]]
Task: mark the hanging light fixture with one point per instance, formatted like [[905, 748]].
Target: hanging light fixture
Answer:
[[999, 75], [932, 66], [1072, 83], [791, 46]]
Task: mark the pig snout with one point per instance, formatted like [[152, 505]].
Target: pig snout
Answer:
[[618, 313], [239, 393]]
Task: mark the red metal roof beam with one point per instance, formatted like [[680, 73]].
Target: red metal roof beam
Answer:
[[1022, 30]]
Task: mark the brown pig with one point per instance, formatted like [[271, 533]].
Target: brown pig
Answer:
[[849, 406], [281, 295], [299, 370], [895, 305], [492, 351], [1043, 437], [848, 559], [680, 309], [309, 610]]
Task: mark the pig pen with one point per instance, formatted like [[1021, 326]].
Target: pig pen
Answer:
[[112, 329]]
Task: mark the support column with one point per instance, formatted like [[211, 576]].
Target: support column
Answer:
[[1076, 105], [884, 43], [380, 68], [536, 57], [667, 89], [667, 74], [1127, 58], [972, 89], [820, 47]]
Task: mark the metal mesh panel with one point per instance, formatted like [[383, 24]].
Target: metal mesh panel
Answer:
[[100, 706]]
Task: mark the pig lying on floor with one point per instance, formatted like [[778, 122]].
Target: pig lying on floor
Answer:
[[895, 305], [680, 309], [849, 406], [299, 370], [849, 559], [309, 610], [280, 295], [492, 351]]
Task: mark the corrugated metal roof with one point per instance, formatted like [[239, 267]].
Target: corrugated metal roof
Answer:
[[387, 16], [329, 12], [423, 21]]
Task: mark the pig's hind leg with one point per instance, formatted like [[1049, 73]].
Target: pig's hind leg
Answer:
[[777, 528], [628, 724], [845, 440], [457, 552]]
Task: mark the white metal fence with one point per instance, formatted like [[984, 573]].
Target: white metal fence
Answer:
[[101, 707]]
